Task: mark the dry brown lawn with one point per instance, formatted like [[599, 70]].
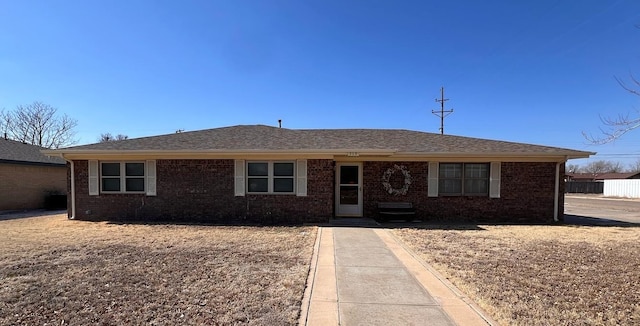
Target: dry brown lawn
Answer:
[[540, 275], [60, 272]]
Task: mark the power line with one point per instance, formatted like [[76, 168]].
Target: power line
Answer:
[[617, 155]]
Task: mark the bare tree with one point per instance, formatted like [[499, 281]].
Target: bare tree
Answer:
[[38, 124], [4, 123], [595, 167], [620, 125], [615, 167], [603, 166], [106, 137], [635, 166], [573, 168]]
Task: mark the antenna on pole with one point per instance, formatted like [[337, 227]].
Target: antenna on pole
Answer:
[[442, 113]]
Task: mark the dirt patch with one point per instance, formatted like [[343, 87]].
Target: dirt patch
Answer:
[[62, 272], [540, 275]]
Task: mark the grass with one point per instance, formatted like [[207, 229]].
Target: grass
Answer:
[[60, 272], [540, 275]]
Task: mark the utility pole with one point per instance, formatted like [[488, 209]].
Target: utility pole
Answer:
[[442, 113]]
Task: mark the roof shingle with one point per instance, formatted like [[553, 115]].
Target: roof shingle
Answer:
[[12, 151], [266, 138]]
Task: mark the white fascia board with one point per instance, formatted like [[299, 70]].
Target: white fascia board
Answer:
[[555, 156], [52, 153], [351, 154], [221, 154]]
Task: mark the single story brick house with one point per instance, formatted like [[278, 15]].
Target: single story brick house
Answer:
[[263, 174], [27, 177]]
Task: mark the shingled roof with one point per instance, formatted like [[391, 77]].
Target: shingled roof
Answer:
[[266, 139], [260, 138], [15, 152]]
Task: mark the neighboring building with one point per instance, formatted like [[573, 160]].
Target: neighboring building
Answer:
[[592, 177], [275, 175], [27, 176], [593, 183]]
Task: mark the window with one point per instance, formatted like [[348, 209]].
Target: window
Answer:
[[463, 179], [122, 176], [270, 177]]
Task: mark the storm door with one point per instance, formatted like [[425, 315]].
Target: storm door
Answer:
[[349, 189]]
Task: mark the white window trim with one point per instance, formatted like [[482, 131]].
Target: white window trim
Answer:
[[123, 177], [270, 177]]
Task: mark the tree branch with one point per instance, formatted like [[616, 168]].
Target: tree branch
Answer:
[[617, 127], [37, 124]]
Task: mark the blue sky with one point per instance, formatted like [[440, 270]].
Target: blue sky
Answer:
[[526, 71]]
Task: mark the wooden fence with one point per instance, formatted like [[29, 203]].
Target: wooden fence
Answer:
[[581, 187]]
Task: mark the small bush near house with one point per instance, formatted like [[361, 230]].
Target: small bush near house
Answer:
[[54, 200], [60, 272], [540, 275]]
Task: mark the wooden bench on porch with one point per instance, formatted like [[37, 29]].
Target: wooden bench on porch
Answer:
[[395, 210]]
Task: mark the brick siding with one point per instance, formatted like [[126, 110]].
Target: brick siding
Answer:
[[25, 186], [526, 194], [203, 191]]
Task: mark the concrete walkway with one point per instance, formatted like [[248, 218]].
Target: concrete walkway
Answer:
[[364, 276]]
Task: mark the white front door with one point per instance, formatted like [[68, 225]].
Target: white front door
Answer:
[[349, 189]]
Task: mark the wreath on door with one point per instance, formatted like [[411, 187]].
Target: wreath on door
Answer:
[[387, 175]]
